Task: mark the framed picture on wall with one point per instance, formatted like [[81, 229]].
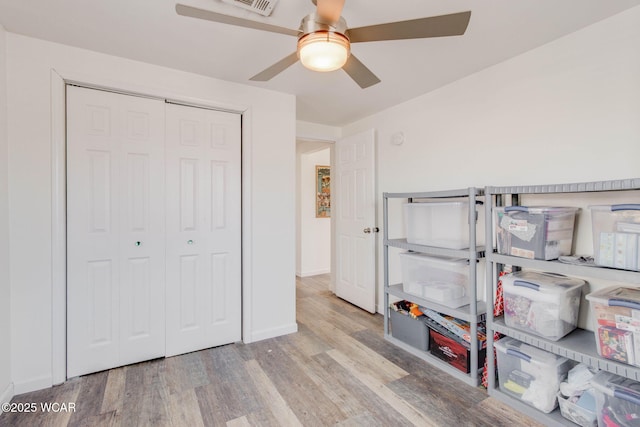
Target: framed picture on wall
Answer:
[[323, 192]]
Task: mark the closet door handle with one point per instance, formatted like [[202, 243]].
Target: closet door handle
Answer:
[[190, 242], [138, 243]]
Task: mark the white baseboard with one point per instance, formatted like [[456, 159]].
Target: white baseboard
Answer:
[[33, 384], [272, 333], [7, 394], [313, 272]]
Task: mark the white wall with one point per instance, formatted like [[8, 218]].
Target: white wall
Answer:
[[565, 112], [6, 391], [315, 233], [317, 132], [270, 284]]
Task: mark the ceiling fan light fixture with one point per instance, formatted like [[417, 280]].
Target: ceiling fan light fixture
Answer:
[[323, 50]]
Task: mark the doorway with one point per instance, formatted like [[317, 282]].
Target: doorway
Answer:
[[314, 224]]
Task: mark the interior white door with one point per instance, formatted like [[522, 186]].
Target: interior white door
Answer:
[[115, 230], [203, 228], [356, 220]]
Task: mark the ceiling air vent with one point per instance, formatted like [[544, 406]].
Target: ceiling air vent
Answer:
[[263, 7]]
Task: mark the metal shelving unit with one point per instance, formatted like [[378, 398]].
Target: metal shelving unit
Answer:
[[580, 344], [474, 312]]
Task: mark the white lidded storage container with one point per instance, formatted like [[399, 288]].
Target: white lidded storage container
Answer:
[[616, 235], [530, 374], [617, 400], [545, 304], [616, 313], [442, 224], [440, 279], [535, 232]]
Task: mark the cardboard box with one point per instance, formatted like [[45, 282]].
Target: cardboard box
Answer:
[[616, 344], [453, 352]]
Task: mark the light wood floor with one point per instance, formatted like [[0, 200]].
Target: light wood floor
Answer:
[[337, 370]]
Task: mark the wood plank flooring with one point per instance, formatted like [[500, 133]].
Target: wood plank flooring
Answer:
[[337, 370]]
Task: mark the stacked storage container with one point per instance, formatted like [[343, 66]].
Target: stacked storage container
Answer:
[[544, 304], [441, 224], [439, 279], [443, 280], [616, 236], [617, 400], [530, 374], [616, 311], [544, 233]]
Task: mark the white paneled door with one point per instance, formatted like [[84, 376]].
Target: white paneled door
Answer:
[[153, 229], [203, 228], [115, 230], [356, 220]]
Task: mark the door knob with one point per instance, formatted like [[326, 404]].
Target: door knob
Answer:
[[138, 243], [367, 230]]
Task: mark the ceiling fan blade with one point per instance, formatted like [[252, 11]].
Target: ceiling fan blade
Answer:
[[276, 68], [454, 24], [329, 10], [209, 15], [360, 73]]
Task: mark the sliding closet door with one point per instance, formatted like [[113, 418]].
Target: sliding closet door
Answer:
[[115, 230], [203, 228]]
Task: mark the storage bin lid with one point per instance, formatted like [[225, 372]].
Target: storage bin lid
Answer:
[[542, 284], [527, 353], [617, 296], [616, 386], [616, 208], [538, 209], [437, 261]]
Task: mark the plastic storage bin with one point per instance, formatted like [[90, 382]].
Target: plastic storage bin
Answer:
[[535, 232], [412, 331], [544, 304], [616, 312], [442, 224], [617, 399], [440, 279], [530, 374], [576, 413], [616, 235]]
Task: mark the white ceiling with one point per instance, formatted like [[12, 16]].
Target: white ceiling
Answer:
[[151, 31]]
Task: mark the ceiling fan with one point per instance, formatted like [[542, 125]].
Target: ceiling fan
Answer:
[[324, 40]]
